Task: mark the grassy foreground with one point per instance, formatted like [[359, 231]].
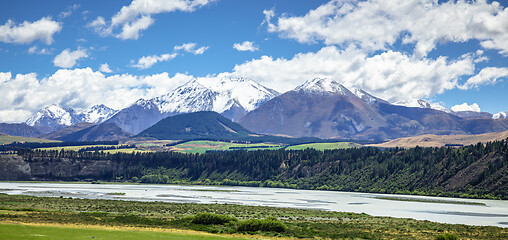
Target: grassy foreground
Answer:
[[27, 232], [229, 220]]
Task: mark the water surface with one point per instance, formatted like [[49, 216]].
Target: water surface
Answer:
[[491, 213]]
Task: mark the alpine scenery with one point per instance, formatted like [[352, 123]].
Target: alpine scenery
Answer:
[[254, 119]]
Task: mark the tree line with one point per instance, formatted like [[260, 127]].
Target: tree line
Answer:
[[426, 171]]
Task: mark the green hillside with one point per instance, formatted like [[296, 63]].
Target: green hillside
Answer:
[[198, 125], [6, 139]]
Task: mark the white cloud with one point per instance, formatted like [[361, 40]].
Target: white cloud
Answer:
[[105, 68], [24, 94], [69, 11], [390, 75], [376, 24], [28, 32], [245, 46], [148, 61], [67, 58], [36, 50], [191, 48], [466, 107], [488, 75], [131, 30], [137, 16], [100, 26]]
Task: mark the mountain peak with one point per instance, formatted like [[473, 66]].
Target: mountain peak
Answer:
[[56, 113], [500, 115], [215, 94], [55, 117], [324, 85]]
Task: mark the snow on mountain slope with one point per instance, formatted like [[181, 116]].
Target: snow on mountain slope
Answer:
[[55, 117], [96, 114], [231, 97], [368, 98], [500, 115], [422, 104], [214, 94], [324, 85]]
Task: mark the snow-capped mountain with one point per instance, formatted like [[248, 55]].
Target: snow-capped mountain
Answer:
[[420, 103], [96, 114], [231, 97], [326, 109], [324, 85], [55, 117], [52, 118], [215, 94], [367, 97], [500, 115]]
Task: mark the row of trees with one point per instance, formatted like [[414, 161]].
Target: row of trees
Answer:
[[429, 171]]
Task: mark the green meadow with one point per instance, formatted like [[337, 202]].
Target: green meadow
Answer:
[[27, 232], [66, 218]]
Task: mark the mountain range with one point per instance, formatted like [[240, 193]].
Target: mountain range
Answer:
[[54, 117], [318, 108], [231, 97], [326, 109]]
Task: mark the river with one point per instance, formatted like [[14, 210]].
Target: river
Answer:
[[437, 209]]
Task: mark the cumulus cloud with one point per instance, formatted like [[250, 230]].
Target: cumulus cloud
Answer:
[[466, 107], [100, 26], [245, 46], [105, 68], [390, 75], [148, 61], [191, 48], [131, 30], [137, 16], [377, 24], [36, 50], [25, 94], [28, 32], [68, 58], [488, 75]]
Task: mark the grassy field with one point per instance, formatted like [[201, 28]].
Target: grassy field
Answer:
[[74, 148], [6, 139], [125, 150], [65, 232], [159, 216], [324, 146], [77, 148], [203, 146]]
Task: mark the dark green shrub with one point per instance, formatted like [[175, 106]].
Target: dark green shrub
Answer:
[[269, 225], [447, 236], [211, 218]]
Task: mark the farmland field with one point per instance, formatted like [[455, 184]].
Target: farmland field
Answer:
[[203, 146], [323, 146], [74, 148], [6, 139]]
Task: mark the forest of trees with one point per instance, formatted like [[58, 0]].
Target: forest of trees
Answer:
[[479, 170]]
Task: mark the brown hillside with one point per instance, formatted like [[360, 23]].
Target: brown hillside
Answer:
[[431, 140]]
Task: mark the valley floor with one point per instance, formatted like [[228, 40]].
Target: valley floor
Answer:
[[28, 217]]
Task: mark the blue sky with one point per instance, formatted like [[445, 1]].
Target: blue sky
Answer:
[[81, 53]]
